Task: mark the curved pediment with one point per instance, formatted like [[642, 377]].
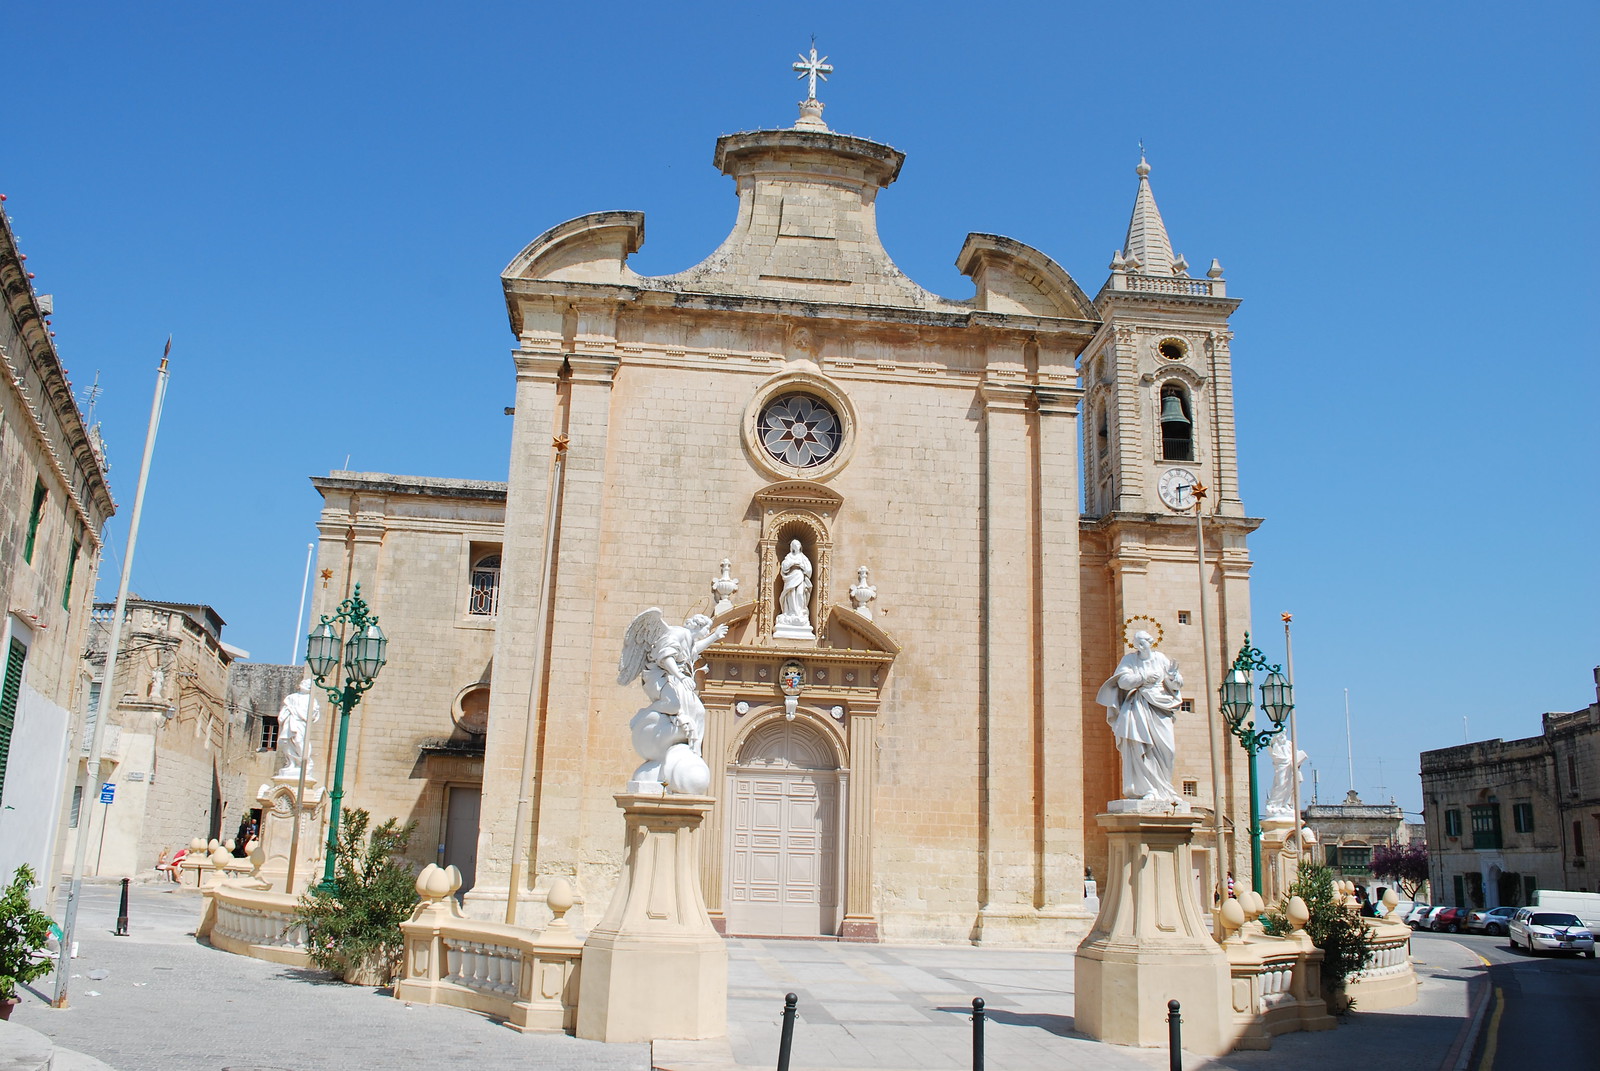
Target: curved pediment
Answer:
[[589, 249], [1015, 278]]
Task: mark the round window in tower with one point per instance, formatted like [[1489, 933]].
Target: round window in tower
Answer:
[[799, 430]]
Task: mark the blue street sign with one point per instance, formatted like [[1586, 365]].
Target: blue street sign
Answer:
[[107, 791]]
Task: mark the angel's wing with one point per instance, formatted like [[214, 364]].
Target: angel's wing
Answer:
[[637, 644]]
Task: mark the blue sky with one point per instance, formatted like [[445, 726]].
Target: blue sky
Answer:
[[316, 201]]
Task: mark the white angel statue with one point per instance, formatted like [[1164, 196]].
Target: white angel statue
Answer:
[[667, 733]]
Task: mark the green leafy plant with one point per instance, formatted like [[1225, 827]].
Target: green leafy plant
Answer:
[[24, 929], [1345, 941], [357, 922]]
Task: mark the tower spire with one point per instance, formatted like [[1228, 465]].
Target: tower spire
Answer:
[[1147, 244]]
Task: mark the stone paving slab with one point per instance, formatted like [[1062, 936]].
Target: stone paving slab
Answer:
[[170, 1003]]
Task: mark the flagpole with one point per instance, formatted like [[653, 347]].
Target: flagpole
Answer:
[[108, 693], [298, 649]]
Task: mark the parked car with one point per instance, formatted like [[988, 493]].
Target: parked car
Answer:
[[1494, 921], [1418, 912], [1425, 921], [1555, 931], [1401, 910], [1447, 920]]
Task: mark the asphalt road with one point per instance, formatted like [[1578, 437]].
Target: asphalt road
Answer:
[[1543, 1011]]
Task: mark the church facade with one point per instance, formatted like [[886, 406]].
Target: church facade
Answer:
[[905, 746]]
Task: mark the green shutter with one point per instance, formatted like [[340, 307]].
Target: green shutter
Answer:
[[72, 567], [10, 690], [33, 520]]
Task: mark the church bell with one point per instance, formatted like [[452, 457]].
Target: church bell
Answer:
[[1172, 410]]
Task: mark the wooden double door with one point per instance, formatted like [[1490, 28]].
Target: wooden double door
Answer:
[[785, 806]]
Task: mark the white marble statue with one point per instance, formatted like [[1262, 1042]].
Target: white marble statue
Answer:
[[668, 731], [158, 683], [300, 708], [1280, 801], [794, 601], [862, 594], [1141, 699]]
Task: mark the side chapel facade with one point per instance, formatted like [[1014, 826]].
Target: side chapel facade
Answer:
[[929, 765]]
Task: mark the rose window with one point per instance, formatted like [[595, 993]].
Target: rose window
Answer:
[[799, 430]]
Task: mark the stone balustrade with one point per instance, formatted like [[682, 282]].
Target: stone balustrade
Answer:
[[1168, 284], [528, 979], [1389, 981], [246, 920], [1276, 981]]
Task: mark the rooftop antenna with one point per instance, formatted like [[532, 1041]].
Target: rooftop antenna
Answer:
[[1381, 785], [1465, 738], [91, 396]]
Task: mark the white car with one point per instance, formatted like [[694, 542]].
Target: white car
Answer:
[[1554, 931]]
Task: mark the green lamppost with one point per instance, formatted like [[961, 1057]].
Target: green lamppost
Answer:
[[363, 644], [1277, 699]]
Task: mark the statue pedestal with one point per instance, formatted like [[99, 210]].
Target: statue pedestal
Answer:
[[655, 967], [278, 809], [1149, 944], [1280, 858]]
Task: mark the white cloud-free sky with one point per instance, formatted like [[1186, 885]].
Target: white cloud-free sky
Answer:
[[316, 201]]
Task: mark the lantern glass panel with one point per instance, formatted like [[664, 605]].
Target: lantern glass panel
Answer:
[[1277, 697], [322, 650], [364, 654], [1236, 697]]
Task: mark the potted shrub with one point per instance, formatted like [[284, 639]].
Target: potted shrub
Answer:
[[1344, 939], [24, 929], [353, 929]]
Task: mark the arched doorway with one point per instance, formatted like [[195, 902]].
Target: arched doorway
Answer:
[[783, 843]]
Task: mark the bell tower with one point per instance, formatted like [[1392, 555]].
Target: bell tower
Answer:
[[1158, 419]]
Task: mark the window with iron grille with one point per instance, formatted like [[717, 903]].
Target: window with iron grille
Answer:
[[1486, 825], [1522, 817], [484, 598]]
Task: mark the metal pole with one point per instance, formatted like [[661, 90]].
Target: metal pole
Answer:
[[787, 1040], [108, 693], [977, 1034], [100, 852], [122, 910], [1349, 745], [1174, 1037], [1294, 737], [299, 800], [520, 831], [1213, 730], [346, 703], [300, 615], [1252, 748]]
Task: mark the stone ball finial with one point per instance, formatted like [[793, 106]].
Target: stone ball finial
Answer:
[[1143, 170], [1252, 903], [454, 875], [197, 845], [1298, 913], [1391, 900], [560, 898], [1232, 913], [433, 883]]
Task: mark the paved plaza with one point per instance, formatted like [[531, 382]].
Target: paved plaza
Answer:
[[169, 1003]]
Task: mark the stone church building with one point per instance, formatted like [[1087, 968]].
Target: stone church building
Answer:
[[992, 493]]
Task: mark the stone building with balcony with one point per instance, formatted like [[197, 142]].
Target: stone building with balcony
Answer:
[[1349, 832], [54, 504], [183, 763], [1507, 817]]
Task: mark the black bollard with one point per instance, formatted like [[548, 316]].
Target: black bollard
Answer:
[[787, 1040], [122, 911], [1174, 1037], [977, 1034]]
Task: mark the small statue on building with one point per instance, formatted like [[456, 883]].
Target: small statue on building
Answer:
[[667, 733], [300, 708], [1141, 699], [158, 683], [794, 599]]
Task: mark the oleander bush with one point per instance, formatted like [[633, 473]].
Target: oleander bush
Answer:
[[1345, 941], [24, 929], [356, 924]]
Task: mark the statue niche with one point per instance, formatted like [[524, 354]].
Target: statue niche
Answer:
[[795, 555]]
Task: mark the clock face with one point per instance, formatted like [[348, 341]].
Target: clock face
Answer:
[[1175, 486]]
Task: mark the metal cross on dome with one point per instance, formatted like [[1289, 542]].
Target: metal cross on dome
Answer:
[[813, 68]]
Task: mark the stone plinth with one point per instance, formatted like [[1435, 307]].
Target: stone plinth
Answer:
[[278, 810], [1279, 857], [655, 967], [1149, 944]]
